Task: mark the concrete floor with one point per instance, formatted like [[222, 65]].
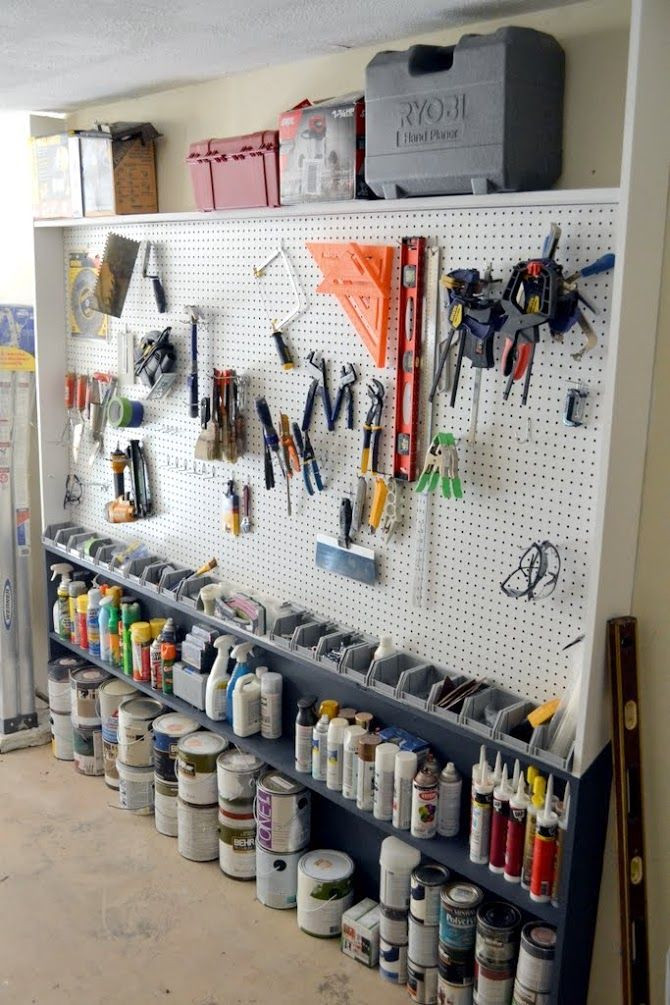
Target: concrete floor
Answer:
[[97, 907]]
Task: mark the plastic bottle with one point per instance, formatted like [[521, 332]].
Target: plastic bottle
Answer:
[[75, 589], [247, 706], [240, 653], [350, 760], [271, 693], [544, 849], [449, 805], [320, 748], [382, 804], [499, 819], [114, 638], [384, 649], [536, 804], [219, 679], [304, 724], [335, 753], [82, 627], [130, 613], [516, 833], [168, 654], [103, 623], [480, 820], [405, 768], [61, 608]]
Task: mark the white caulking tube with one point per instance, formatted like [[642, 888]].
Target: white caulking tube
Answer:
[[497, 771], [477, 769], [560, 844], [515, 777], [480, 820]]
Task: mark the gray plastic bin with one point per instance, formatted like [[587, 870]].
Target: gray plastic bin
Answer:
[[385, 674]]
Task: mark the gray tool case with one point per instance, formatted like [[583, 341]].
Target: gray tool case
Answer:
[[484, 114]]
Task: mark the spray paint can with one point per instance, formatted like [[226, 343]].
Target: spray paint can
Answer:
[[499, 819], [536, 804], [350, 761], [75, 589], [544, 849], [155, 664], [114, 640], [532, 985], [405, 769], [103, 623], [271, 694], [130, 613], [365, 782], [93, 622], [382, 802], [304, 725], [320, 748], [424, 804], [449, 804], [335, 753], [480, 820], [560, 844], [168, 654], [82, 627], [516, 834]]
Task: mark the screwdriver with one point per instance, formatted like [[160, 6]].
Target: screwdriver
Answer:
[[269, 431]]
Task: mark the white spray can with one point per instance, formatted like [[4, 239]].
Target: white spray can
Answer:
[[385, 755], [320, 748], [335, 753], [424, 804], [449, 806], [271, 692], [350, 761], [405, 768], [365, 783], [304, 725]]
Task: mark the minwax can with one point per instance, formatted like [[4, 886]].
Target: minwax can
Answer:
[[458, 914]]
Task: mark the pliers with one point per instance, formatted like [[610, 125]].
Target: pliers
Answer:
[[348, 378], [309, 465], [441, 467], [372, 429]]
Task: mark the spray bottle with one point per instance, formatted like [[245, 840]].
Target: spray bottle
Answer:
[[61, 608], [75, 589], [544, 849], [168, 654], [536, 804], [560, 844], [449, 804], [516, 833], [93, 621], [219, 679], [82, 620], [113, 629], [501, 797], [241, 654], [480, 821]]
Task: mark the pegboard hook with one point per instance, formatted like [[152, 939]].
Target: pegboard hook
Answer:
[[525, 434]]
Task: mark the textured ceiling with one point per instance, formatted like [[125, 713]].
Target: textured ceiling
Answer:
[[56, 55]]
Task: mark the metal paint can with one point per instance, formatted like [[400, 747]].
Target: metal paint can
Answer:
[[392, 962], [136, 788], [197, 831], [282, 813], [237, 773], [493, 985], [425, 887], [421, 983], [277, 878], [453, 994], [393, 925], [532, 985], [422, 943], [165, 806], [497, 934], [85, 688], [196, 768], [325, 892], [135, 737], [168, 730], [58, 674], [456, 966], [61, 734], [87, 744], [458, 914], [112, 693], [237, 839]]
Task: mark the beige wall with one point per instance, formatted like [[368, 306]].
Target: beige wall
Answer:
[[594, 35]]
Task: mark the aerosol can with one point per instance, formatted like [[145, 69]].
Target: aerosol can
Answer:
[[61, 609]]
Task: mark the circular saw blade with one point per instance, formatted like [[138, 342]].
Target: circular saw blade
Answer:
[[86, 319]]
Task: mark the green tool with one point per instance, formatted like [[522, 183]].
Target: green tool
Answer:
[[441, 468]]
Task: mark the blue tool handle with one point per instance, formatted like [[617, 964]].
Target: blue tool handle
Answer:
[[602, 264], [317, 476]]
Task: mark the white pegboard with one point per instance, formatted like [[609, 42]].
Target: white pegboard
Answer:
[[516, 489]]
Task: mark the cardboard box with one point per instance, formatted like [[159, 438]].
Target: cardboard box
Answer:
[[322, 151], [360, 932]]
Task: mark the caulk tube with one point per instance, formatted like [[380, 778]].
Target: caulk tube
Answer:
[[350, 761], [560, 844], [536, 804], [499, 819], [405, 768], [477, 768], [544, 850], [516, 833], [497, 771], [480, 820]]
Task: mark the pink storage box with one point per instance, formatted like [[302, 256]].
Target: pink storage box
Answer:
[[200, 169], [245, 170]]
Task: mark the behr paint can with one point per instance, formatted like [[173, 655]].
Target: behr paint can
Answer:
[[85, 689], [277, 878], [197, 831], [392, 962], [168, 730], [497, 934], [61, 734], [426, 884], [165, 806], [532, 985], [237, 839], [493, 985], [421, 983], [458, 914], [87, 744], [422, 943], [237, 774], [196, 768], [59, 687], [135, 736], [111, 694], [325, 892], [282, 813], [393, 925], [136, 788]]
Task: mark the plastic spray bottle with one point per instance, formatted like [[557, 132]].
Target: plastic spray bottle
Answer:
[[240, 653], [219, 679], [61, 609]]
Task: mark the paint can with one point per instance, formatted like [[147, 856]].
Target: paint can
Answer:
[[58, 674], [85, 688], [456, 966], [422, 943], [421, 983], [453, 994], [87, 744], [282, 813], [135, 737], [196, 768], [61, 734], [112, 693], [493, 985], [165, 806], [197, 831], [325, 892], [392, 962], [393, 925], [458, 914], [237, 840], [237, 773], [277, 878], [497, 934], [168, 730], [532, 985], [425, 888], [136, 788], [397, 860]]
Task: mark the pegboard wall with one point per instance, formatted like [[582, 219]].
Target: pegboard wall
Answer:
[[527, 477]]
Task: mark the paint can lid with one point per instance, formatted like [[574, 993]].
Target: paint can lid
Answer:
[[498, 916], [366, 746], [280, 785], [60, 669], [463, 895], [239, 761], [115, 686], [430, 875], [385, 755], [175, 724], [203, 742], [141, 708], [326, 865], [398, 856], [539, 940], [88, 676]]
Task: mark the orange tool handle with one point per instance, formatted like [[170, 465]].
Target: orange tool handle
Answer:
[[70, 381], [82, 391]]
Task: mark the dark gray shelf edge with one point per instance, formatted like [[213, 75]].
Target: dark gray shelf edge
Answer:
[[266, 643], [452, 852]]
